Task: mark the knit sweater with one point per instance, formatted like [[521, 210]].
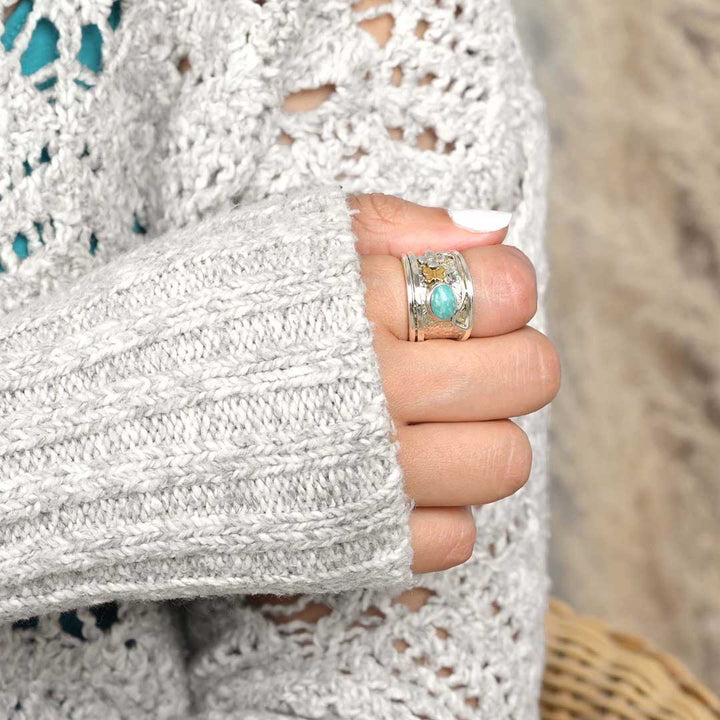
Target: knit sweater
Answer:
[[190, 403]]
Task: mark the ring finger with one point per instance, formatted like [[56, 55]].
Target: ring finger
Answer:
[[446, 464]]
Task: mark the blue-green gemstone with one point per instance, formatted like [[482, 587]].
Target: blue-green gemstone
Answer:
[[443, 302]]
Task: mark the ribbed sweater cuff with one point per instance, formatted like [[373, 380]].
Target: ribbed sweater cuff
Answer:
[[202, 416]]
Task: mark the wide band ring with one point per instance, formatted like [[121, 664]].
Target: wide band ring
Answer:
[[440, 296]]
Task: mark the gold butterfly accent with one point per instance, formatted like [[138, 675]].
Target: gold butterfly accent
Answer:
[[431, 274]]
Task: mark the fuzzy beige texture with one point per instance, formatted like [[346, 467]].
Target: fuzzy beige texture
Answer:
[[633, 94]]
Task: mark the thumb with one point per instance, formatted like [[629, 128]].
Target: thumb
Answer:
[[388, 225]]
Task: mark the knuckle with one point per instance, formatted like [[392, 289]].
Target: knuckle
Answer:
[[385, 299], [375, 271], [460, 540], [392, 375], [465, 374], [546, 362], [379, 215], [519, 281], [518, 458], [386, 210], [369, 271]]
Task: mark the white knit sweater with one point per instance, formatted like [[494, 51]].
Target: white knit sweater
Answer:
[[190, 404]]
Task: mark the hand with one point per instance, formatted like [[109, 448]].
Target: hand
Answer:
[[450, 400]]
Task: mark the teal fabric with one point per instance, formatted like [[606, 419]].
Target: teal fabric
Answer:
[[15, 24], [42, 50], [90, 54], [20, 245]]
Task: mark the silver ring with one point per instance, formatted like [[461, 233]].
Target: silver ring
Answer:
[[440, 296]]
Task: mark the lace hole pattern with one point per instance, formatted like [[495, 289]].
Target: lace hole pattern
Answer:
[[31, 38], [413, 103]]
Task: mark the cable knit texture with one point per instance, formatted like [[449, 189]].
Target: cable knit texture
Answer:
[[190, 403], [203, 415]]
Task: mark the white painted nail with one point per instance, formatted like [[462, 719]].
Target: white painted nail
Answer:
[[480, 220]]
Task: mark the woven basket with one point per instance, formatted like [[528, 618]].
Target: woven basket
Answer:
[[594, 672]]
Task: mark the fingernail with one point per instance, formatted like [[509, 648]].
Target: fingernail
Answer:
[[480, 220]]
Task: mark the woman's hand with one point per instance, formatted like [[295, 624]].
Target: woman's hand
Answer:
[[450, 400]]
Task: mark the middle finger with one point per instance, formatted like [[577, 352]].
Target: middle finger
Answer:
[[479, 379]]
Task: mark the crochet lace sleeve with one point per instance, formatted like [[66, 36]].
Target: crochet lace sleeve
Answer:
[[448, 80], [202, 416]]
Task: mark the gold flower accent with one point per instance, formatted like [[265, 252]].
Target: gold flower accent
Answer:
[[431, 274]]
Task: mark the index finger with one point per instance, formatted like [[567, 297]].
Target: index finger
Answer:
[[389, 225]]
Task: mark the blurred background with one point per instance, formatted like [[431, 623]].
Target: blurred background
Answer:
[[633, 95]]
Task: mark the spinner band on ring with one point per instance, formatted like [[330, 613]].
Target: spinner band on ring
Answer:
[[440, 296]]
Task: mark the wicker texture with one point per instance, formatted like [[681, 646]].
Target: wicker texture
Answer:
[[596, 672]]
